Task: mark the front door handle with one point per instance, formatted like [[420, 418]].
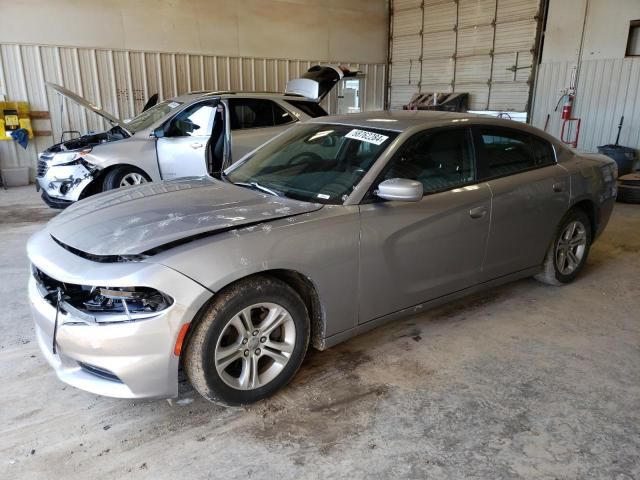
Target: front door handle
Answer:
[[558, 187], [196, 145], [478, 212]]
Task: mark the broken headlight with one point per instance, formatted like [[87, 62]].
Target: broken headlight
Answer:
[[90, 305], [78, 159], [130, 301]]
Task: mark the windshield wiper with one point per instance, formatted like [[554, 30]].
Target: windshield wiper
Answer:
[[257, 186]]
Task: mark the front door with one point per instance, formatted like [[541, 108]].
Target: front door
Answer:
[[182, 152], [530, 196], [415, 252]]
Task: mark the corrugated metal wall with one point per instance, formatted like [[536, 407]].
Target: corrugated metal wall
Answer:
[[484, 47], [120, 81], [606, 90]]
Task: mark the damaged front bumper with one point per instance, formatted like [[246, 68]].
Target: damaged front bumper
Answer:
[[126, 359], [62, 185]]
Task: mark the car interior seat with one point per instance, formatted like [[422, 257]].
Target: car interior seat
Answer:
[[245, 116]]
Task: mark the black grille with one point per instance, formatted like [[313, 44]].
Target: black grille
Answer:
[[99, 372], [42, 168]]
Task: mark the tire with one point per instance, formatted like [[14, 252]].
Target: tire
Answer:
[[631, 179], [628, 194], [221, 350], [122, 177], [559, 267]]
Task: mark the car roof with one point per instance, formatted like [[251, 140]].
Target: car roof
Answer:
[[402, 120], [192, 96]]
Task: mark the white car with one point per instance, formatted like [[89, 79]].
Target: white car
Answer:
[[196, 134]]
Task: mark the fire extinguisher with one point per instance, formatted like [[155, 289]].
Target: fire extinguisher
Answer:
[[566, 108]]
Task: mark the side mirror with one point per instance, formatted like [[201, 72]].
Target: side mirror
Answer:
[[400, 189], [159, 132]]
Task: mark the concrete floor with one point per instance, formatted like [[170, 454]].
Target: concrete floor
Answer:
[[524, 381]]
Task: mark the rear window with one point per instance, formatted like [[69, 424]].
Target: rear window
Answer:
[[310, 108], [256, 113], [507, 152]]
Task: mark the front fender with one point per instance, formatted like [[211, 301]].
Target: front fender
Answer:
[[138, 152], [322, 246]]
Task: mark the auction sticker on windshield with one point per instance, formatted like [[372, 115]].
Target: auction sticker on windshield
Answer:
[[365, 136]]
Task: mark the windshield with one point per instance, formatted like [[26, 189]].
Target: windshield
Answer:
[[151, 116], [314, 162]]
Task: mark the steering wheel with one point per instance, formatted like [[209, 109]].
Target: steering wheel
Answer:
[[297, 159]]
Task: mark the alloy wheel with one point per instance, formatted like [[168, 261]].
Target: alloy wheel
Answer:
[[255, 346], [571, 247], [132, 178]]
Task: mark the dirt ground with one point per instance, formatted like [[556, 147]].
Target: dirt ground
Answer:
[[522, 381]]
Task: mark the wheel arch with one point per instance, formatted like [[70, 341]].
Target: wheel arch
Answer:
[[110, 168], [301, 284], [587, 205], [96, 184]]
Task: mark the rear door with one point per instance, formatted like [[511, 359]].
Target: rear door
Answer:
[[530, 194], [253, 122], [412, 252], [182, 152]]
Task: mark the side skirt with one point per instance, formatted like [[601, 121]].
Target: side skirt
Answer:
[[370, 325]]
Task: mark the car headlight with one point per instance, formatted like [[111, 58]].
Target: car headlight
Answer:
[[112, 304], [78, 159], [130, 300], [91, 304]]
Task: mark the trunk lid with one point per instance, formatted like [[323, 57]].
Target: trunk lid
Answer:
[[135, 220], [83, 102], [318, 81]]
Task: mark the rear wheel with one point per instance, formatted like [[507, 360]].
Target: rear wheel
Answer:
[[568, 252], [249, 342], [123, 177]]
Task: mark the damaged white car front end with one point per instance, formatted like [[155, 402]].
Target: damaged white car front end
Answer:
[[192, 135], [64, 176]]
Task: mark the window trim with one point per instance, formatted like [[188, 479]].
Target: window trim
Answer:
[[483, 167], [197, 103], [291, 114], [370, 196]]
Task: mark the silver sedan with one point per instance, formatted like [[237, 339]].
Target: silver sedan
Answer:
[[330, 229]]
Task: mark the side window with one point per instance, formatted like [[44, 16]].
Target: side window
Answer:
[[255, 113], [507, 152], [543, 153], [196, 120], [439, 160], [280, 115]]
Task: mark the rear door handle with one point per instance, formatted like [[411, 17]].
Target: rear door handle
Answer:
[[478, 212], [196, 145], [558, 187]]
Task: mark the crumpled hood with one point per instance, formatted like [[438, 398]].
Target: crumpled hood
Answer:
[[134, 220]]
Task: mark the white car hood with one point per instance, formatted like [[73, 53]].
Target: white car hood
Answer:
[[139, 220]]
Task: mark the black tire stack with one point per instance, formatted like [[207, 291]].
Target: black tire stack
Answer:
[[629, 188]]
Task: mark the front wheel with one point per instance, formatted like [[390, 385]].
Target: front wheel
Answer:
[[568, 252], [123, 177], [249, 342]]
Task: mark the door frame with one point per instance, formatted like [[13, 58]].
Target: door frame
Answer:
[[215, 102], [369, 196]]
